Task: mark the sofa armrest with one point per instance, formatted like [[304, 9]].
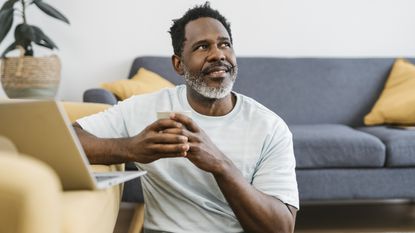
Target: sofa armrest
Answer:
[[96, 209], [30, 195], [99, 95]]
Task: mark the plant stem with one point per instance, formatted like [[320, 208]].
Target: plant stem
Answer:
[[23, 11]]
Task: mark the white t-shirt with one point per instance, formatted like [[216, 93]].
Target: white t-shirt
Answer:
[[179, 196]]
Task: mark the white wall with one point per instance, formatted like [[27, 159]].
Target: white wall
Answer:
[[105, 36]]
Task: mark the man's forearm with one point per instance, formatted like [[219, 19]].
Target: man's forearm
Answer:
[[102, 150], [255, 211]]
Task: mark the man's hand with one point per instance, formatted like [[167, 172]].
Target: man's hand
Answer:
[[149, 145], [154, 142], [203, 152]]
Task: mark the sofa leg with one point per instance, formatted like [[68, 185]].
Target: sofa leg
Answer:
[[137, 222]]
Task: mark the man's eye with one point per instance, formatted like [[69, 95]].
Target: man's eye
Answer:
[[201, 47], [225, 45]]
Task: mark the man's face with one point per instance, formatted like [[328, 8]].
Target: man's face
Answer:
[[208, 60]]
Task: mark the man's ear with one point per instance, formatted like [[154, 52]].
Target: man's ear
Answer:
[[177, 64]]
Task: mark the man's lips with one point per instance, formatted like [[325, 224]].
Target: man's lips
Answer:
[[217, 71]]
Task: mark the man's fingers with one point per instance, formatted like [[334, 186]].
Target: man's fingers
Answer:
[[177, 131], [165, 137], [172, 155], [181, 131], [167, 149], [162, 124], [186, 121]]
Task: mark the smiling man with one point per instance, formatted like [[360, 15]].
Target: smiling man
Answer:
[[229, 167]]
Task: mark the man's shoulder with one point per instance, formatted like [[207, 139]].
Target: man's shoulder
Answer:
[[262, 116], [257, 109]]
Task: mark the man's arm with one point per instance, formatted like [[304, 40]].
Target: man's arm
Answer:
[[103, 150], [256, 211], [145, 147]]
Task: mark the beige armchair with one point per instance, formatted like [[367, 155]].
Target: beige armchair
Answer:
[[32, 199]]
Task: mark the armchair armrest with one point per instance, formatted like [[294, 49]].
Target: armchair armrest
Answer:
[[99, 95], [30, 195], [92, 209]]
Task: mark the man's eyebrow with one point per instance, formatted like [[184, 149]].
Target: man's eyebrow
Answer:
[[222, 38], [199, 42]]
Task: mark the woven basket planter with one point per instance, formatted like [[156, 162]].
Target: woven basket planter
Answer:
[[30, 77]]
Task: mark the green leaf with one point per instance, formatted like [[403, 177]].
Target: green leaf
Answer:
[[8, 49], [26, 33], [6, 21], [8, 5], [49, 10], [44, 39]]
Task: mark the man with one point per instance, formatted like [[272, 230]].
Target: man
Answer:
[[229, 167]]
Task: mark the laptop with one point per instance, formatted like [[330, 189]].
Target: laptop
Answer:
[[42, 129]]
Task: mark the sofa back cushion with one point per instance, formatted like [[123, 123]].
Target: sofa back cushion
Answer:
[[302, 90]]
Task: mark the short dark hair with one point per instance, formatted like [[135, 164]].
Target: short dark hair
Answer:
[[177, 30]]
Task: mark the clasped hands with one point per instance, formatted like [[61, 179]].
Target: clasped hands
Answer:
[[178, 136]]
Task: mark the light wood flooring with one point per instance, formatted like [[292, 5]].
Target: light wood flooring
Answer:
[[348, 217]]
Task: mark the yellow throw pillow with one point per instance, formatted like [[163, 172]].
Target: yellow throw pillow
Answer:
[[143, 82], [396, 104], [76, 110]]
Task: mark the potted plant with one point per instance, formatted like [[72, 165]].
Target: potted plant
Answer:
[[27, 76]]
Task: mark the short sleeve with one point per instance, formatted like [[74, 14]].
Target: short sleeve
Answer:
[[275, 173], [107, 124]]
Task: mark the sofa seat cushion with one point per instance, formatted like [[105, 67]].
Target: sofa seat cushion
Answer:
[[400, 144], [335, 146]]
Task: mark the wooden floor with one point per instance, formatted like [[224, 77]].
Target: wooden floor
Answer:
[[390, 216], [375, 217], [124, 218]]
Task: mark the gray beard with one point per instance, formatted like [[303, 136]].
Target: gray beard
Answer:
[[197, 83]]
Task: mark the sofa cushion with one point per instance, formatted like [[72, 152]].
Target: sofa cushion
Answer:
[[396, 104], [335, 146], [356, 184], [400, 144], [76, 110], [145, 81]]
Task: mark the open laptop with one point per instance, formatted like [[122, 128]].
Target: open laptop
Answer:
[[42, 129]]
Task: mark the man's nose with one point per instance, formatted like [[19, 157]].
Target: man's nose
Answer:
[[216, 54]]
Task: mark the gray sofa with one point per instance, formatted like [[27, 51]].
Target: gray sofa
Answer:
[[323, 101]]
